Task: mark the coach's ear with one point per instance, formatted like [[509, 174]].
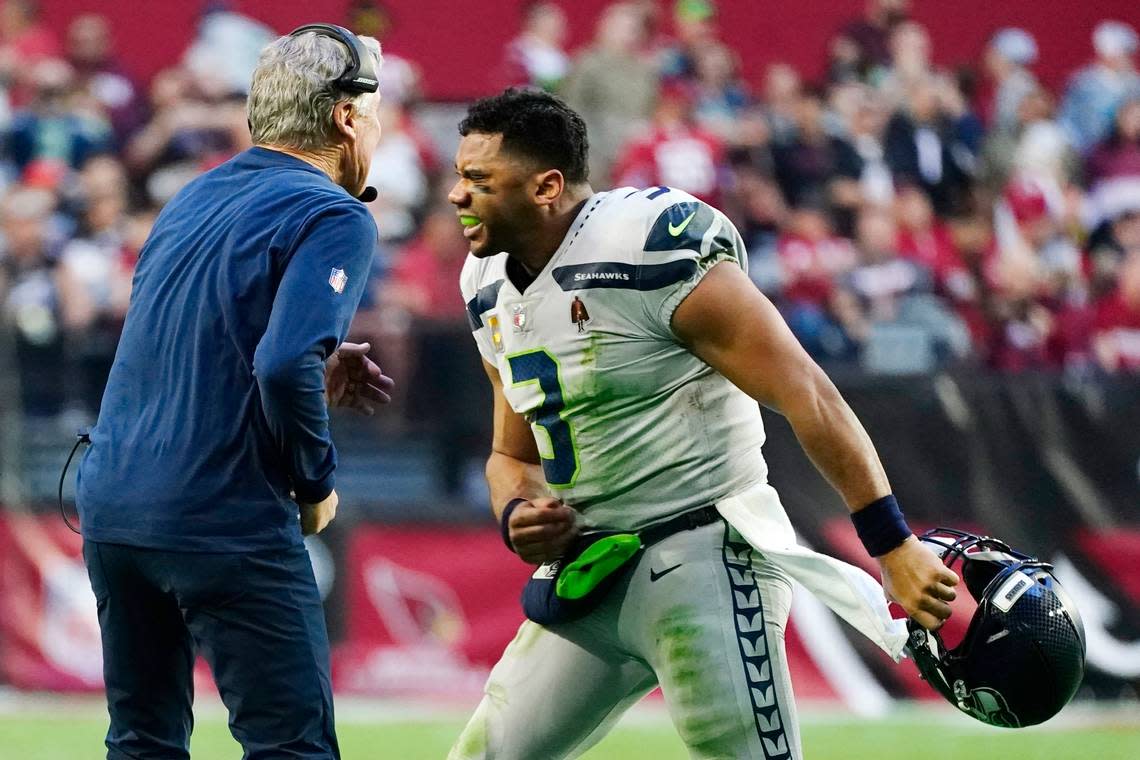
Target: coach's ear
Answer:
[[548, 187]]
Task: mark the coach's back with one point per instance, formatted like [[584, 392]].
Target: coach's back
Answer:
[[214, 410]]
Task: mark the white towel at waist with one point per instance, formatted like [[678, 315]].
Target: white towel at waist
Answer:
[[849, 591]]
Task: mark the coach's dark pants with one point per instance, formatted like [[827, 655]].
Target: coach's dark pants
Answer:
[[257, 620]]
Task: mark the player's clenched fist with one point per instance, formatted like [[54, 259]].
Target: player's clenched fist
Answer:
[[915, 577], [541, 529]]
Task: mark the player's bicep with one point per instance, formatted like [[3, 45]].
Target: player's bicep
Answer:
[[735, 329], [511, 434]]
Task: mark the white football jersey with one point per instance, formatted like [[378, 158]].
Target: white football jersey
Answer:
[[632, 427]]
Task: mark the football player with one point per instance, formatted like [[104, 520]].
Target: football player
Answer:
[[627, 350]]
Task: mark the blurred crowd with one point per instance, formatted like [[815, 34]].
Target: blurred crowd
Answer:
[[903, 217]]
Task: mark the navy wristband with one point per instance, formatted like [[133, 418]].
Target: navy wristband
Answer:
[[504, 521], [881, 526]]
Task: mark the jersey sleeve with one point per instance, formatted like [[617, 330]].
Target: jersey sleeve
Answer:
[[685, 240], [480, 299], [319, 291]]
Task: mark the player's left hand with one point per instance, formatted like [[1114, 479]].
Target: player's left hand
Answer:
[[915, 577], [354, 381]]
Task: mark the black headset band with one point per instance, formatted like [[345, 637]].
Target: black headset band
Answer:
[[360, 76]]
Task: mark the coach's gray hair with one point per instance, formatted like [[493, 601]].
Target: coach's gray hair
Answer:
[[292, 95]]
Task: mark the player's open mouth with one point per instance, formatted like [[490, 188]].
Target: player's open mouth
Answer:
[[472, 225]]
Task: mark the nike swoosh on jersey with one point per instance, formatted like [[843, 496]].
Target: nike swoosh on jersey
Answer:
[[675, 231], [655, 576]]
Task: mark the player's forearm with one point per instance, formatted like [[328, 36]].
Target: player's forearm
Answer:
[[837, 444], [509, 478]]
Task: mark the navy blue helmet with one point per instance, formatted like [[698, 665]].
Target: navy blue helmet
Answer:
[[1023, 655]]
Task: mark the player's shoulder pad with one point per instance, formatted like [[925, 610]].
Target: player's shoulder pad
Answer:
[[680, 226], [479, 293]]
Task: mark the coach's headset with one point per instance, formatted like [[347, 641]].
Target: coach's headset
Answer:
[[360, 76], [357, 79]]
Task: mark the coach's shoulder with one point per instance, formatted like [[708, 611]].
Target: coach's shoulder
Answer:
[[343, 209]]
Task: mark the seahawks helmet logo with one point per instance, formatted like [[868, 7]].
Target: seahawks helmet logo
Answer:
[[987, 705]]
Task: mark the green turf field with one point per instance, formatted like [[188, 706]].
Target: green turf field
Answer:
[[48, 728], [60, 739], [51, 734]]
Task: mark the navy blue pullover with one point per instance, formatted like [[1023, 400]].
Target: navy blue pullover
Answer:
[[214, 410]]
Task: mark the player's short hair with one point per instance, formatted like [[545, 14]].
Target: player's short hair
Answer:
[[292, 95], [536, 125]]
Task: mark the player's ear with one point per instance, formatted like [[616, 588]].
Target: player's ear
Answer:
[[549, 187]]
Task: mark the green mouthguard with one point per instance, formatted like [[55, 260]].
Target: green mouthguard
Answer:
[[469, 221], [596, 564]]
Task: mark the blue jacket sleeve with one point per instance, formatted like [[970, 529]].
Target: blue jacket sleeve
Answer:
[[316, 299]]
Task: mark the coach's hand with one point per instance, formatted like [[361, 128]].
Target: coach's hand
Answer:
[[541, 529], [915, 577], [316, 517], [353, 380]]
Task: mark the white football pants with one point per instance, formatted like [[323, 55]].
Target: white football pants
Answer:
[[701, 614]]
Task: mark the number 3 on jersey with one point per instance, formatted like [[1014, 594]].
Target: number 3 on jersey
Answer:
[[539, 366]]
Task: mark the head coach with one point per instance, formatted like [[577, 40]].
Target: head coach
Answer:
[[212, 454]]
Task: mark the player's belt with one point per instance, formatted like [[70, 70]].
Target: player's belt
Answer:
[[697, 518], [570, 587]]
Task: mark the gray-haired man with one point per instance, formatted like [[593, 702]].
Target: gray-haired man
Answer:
[[212, 452]]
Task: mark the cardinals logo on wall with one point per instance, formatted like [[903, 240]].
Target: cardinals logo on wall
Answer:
[[578, 314]]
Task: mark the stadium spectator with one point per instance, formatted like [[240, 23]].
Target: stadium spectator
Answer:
[[1116, 326], [1119, 236], [1007, 59], [1041, 237], [1097, 91], [30, 301], [865, 42], [781, 96], [694, 22], [926, 240], [814, 166], [1113, 167], [402, 170], [24, 42], [910, 62], [674, 151], [184, 135], [1118, 155], [886, 304], [612, 86], [999, 148], [422, 284], [226, 48], [53, 129], [537, 56], [89, 51], [866, 128], [757, 207], [721, 96], [922, 148], [812, 260], [94, 278]]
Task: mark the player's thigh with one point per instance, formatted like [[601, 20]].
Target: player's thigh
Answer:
[[262, 631], [147, 655], [715, 637], [553, 693]]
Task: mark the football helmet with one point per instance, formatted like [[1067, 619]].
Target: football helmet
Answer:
[[1023, 654]]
